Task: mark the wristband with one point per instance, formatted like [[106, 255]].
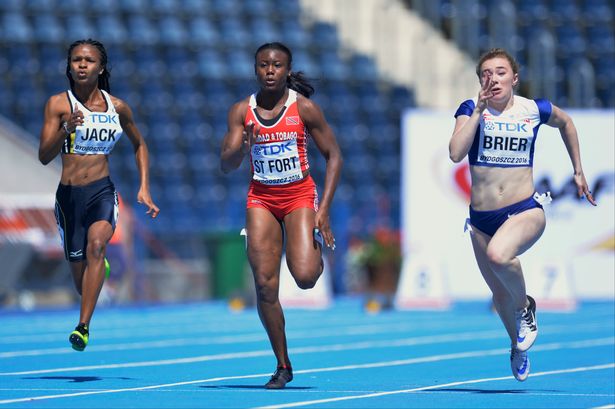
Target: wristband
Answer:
[[65, 126]]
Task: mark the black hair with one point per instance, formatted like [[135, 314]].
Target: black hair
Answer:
[[103, 79], [296, 79]]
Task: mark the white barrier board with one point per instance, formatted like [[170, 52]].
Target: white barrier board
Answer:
[[578, 237]]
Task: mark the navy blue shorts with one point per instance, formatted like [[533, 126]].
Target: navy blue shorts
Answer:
[[489, 221], [78, 207]]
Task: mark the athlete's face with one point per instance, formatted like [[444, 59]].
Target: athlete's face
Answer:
[[272, 69], [85, 64], [499, 71]]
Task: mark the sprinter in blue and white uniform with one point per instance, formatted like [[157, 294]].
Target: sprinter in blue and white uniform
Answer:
[[498, 132], [84, 124]]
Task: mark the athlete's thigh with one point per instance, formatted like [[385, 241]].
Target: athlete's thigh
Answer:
[[480, 241], [518, 233], [301, 248], [100, 231], [265, 241]]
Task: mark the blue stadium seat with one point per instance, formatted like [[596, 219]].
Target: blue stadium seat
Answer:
[[39, 6], [167, 8], [601, 39], [259, 10], [262, 31], [16, 28], [324, 35], [401, 98], [225, 8], [303, 61], [11, 5], [563, 12], [203, 32], [211, 64], [294, 35], [78, 27], [596, 11], [111, 30], [172, 32], [571, 41], [288, 9], [233, 32], [47, 29], [132, 6], [142, 30], [192, 8], [103, 6], [240, 64], [363, 68]]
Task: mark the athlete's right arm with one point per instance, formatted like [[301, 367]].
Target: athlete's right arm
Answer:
[[465, 126], [463, 136], [52, 134], [233, 149]]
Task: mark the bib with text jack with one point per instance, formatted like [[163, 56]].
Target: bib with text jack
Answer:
[[98, 134]]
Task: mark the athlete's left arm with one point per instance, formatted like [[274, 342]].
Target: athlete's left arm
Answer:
[[325, 140], [141, 154], [561, 120]]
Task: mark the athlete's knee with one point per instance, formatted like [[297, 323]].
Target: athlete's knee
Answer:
[[306, 279], [96, 248], [266, 288], [498, 259]]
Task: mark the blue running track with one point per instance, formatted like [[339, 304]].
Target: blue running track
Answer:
[[206, 356]]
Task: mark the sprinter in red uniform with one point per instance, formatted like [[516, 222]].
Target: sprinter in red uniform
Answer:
[[273, 127]]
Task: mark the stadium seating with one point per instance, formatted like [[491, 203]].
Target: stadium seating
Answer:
[[582, 30]]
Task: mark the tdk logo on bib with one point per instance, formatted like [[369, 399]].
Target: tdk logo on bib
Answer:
[[273, 149], [103, 118], [505, 127]]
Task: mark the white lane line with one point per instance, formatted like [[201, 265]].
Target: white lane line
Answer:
[[261, 336], [225, 389], [433, 358], [202, 331], [312, 349], [432, 387], [152, 326], [225, 339]]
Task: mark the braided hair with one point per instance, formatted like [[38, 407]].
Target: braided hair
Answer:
[[103, 79], [296, 79]]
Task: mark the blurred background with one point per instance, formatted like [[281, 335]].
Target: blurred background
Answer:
[[180, 64]]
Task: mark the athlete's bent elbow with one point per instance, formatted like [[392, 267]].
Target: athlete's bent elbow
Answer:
[[456, 158], [44, 160], [225, 168]]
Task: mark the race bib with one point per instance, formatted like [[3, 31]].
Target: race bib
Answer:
[[505, 141], [98, 134], [276, 163]]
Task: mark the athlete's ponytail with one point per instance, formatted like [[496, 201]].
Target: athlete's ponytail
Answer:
[[296, 80], [103, 79]]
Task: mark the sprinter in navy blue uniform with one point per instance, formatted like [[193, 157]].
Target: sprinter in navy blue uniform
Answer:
[[83, 124], [497, 131]]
